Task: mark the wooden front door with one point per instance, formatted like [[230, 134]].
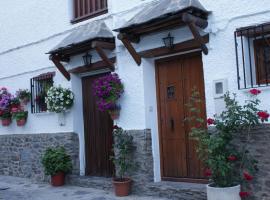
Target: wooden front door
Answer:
[[176, 77], [97, 132]]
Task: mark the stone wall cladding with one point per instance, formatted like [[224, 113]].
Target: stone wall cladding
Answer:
[[20, 155], [259, 146]]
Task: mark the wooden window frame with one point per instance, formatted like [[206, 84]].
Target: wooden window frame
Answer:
[[88, 13], [259, 44]]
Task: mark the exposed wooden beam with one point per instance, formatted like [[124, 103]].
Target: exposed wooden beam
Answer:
[[104, 57], [56, 60], [198, 37], [104, 45], [189, 18], [94, 66], [179, 47], [130, 48]]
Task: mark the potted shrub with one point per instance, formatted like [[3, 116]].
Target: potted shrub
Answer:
[[23, 95], [5, 117], [229, 166], [20, 116], [108, 89], [122, 148], [57, 163]]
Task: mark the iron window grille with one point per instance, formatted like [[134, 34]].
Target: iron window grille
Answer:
[[252, 46], [85, 9], [39, 87]]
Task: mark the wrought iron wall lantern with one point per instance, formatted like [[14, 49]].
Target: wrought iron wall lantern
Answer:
[[87, 59], [169, 41]]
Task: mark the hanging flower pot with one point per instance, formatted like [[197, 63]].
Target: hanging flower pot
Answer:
[[6, 121], [21, 122], [115, 112]]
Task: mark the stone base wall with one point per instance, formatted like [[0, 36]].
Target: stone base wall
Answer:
[[143, 158], [20, 155], [259, 147]]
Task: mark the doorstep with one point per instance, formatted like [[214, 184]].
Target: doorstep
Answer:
[[164, 189]]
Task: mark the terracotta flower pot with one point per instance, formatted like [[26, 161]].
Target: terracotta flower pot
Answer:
[[6, 122], [58, 179], [114, 114], [21, 122], [122, 187]]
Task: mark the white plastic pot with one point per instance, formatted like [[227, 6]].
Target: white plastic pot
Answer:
[[229, 193]]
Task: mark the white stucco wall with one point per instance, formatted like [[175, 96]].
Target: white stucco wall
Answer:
[[29, 29]]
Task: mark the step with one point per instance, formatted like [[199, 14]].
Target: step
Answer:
[[169, 190]]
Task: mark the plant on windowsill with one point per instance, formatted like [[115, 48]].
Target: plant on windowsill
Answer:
[[108, 89], [57, 163], [20, 116], [122, 148], [23, 95], [229, 165]]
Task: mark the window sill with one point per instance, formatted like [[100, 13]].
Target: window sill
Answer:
[[89, 16]]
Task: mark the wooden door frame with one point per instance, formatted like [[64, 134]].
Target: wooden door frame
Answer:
[[189, 180]]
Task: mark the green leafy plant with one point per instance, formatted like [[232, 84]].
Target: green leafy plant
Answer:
[[227, 164], [5, 114], [56, 160], [20, 115], [122, 148], [23, 95]]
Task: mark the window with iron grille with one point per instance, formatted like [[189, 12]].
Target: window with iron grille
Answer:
[[85, 9], [252, 45], [39, 87]]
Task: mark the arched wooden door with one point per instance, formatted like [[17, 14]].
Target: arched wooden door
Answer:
[[176, 78], [98, 127]]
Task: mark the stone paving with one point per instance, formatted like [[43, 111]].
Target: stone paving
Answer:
[[25, 189]]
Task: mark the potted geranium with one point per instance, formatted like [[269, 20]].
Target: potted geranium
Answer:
[[23, 95], [20, 116], [122, 148], [108, 89], [57, 163], [5, 106], [229, 166]]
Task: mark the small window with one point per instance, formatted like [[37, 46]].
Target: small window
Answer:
[[252, 46], [85, 9], [39, 87]]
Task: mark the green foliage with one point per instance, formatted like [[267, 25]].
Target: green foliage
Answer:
[[122, 148], [216, 144], [56, 160], [20, 115]]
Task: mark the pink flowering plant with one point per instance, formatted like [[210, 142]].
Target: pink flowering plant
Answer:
[[108, 89], [227, 163]]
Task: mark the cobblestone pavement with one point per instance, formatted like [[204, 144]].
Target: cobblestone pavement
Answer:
[[24, 189]]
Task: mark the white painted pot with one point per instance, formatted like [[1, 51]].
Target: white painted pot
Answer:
[[229, 193]]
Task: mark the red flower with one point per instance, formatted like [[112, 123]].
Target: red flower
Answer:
[[263, 115], [14, 109], [208, 172], [247, 176], [244, 194], [210, 121], [255, 91], [1, 112], [232, 158], [115, 127]]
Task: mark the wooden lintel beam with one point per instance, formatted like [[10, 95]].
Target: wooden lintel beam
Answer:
[[56, 60], [94, 66], [130, 48], [189, 18], [104, 57], [178, 48], [195, 32], [104, 45]]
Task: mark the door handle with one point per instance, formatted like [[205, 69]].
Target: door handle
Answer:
[[172, 124]]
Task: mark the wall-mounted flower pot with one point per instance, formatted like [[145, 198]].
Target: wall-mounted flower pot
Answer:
[[6, 122], [115, 114], [58, 179], [122, 187], [21, 122], [228, 193]]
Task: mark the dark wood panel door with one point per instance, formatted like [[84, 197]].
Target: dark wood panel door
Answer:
[[175, 80], [98, 134]]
